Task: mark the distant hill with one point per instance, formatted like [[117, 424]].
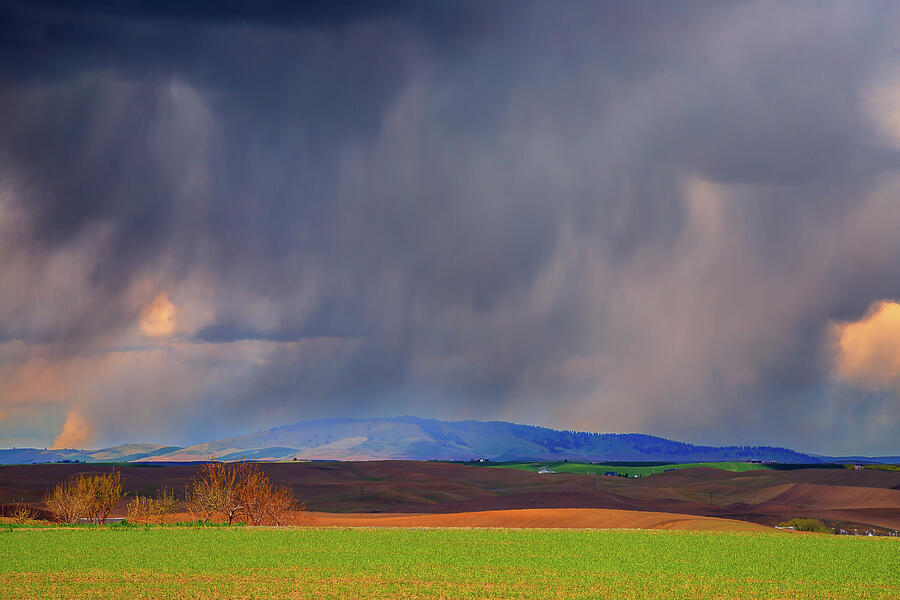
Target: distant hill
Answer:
[[411, 438], [123, 453]]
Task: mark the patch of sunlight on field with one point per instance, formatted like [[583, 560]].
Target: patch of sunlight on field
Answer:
[[433, 563]]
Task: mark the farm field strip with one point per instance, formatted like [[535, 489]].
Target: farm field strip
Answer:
[[583, 468], [168, 562], [844, 498]]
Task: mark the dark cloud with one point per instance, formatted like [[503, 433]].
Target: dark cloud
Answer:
[[613, 216]]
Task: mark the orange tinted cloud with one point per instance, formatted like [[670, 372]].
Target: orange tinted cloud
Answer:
[[76, 432], [158, 317], [868, 350], [27, 377]]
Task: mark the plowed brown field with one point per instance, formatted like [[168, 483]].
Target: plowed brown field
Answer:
[[561, 518]]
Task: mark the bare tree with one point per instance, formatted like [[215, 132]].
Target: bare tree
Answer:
[[67, 500], [214, 490], [85, 497], [283, 506], [255, 492], [265, 504], [239, 490], [196, 499], [229, 501], [104, 492]]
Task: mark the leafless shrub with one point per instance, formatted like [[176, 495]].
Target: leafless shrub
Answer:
[[164, 505], [159, 510], [22, 513], [138, 510]]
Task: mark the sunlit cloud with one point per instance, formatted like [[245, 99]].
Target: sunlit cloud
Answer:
[[158, 317], [31, 375], [76, 432], [882, 105], [868, 350]]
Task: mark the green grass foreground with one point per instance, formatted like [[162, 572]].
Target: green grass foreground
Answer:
[[171, 562]]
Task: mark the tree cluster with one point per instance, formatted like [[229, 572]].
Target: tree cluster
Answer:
[[240, 491], [90, 497], [813, 525]]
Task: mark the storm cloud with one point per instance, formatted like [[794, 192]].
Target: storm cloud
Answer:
[[600, 216]]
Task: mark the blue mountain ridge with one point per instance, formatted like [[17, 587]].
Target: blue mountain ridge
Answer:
[[413, 438]]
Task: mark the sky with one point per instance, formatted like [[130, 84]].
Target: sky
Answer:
[[680, 219]]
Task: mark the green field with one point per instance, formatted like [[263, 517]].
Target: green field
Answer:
[[642, 469], [173, 562]]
